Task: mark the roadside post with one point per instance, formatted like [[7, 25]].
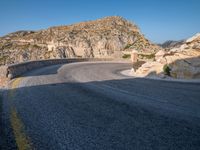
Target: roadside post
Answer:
[[134, 58]]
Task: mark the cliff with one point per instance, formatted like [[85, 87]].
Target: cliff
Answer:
[[102, 38]]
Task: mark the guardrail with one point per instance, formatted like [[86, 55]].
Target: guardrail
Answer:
[[15, 70]]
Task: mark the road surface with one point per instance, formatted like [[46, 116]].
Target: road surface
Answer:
[[88, 106]]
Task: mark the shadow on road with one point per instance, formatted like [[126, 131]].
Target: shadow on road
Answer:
[[6, 134], [108, 114], [50, 70], [1, 100]]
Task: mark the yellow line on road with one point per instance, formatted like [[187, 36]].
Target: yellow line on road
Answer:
[[13, 87], [22, 140], [18, 129]]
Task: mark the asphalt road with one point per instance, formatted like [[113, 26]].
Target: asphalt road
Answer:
[[92, 106]]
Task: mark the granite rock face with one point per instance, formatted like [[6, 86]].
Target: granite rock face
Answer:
[[102, 38], [184, 62]]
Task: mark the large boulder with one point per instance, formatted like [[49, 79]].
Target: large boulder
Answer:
[[185, 69], [185, 64], [149, 69]]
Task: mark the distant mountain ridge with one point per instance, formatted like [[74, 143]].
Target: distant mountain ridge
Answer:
[[172, 44], [102, 38]]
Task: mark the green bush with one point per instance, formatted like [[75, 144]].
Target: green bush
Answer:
[[3, 59], [166, 70], [148, 56], [125, 56], [128, 46]]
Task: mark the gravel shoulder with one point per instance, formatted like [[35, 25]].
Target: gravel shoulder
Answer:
[[129, 73]]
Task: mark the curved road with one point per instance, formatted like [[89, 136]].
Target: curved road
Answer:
[[92, 106]]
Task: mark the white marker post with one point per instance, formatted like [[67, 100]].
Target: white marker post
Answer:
[[134, 58]]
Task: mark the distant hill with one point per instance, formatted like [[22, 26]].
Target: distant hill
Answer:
[[172, 44], [102, 38]]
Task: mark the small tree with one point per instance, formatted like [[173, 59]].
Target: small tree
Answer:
[[166, 69]]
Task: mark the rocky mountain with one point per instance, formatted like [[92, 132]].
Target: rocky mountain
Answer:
[[102, 38], [172, 44], [182, 62]]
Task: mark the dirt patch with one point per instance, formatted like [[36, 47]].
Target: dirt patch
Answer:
[[138, 64], [3, 82]]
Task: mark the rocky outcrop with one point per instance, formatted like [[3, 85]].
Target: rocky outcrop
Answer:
[[102, 38], [182, 62]]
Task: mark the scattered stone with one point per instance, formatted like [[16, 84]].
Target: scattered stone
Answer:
[[160, 54]]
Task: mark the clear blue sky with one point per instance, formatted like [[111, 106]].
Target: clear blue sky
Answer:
[[159, 20]]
